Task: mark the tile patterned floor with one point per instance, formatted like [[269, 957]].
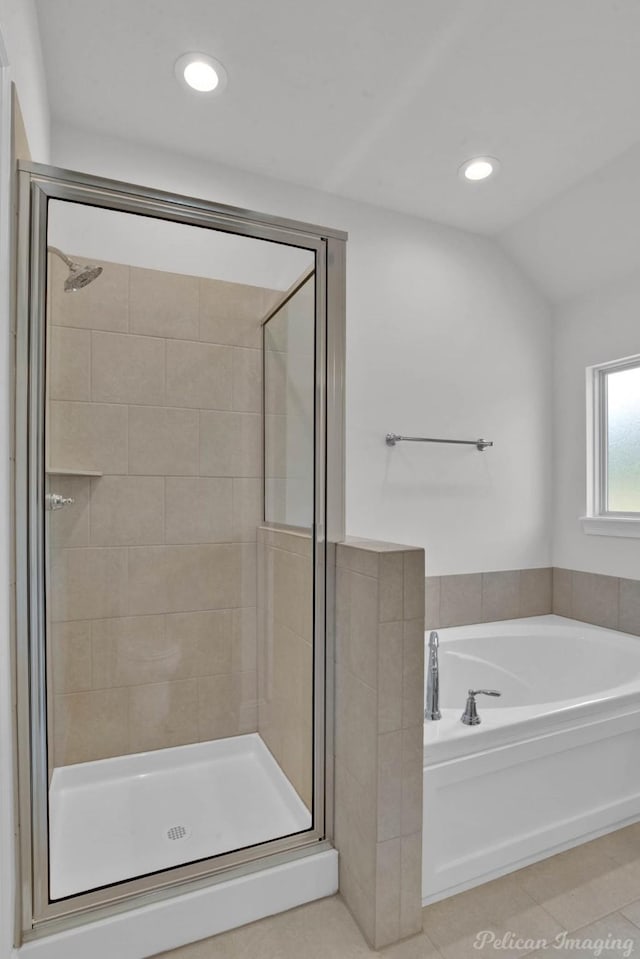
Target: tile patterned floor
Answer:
[[590, 894]]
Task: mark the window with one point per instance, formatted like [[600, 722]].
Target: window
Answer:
[[614, 448]]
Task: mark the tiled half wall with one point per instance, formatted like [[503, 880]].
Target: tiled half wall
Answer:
[[155, 382], [378, 735], [285, 653], [509, 594]]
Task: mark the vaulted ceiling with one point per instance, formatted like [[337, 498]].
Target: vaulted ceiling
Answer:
[[382, 102]]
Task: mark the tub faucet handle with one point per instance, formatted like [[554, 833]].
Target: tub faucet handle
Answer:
[[470, 715]]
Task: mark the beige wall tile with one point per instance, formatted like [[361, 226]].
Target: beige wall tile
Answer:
[[412, 775], [173, 579], [390, 646], [292, 592], [359, 560], [432, 602], [163, 441], [88, 436], [163, 715], [410, 886], [248, 507], [361, 902], [562, 592], [390, 587], [70, 364], [388, 873], [355, 830], [247, 380], [389, 788], [199, 375], [219, 702], [103, 305], [595, 599], [298, 541], [208, 636], [88, 584], [69, 527], [500, 595], [71, 656], [136, 650], [231, 313], [356, 735], [90, 725], [245, 640], [127, 369], [536, 589], [198, 509], [460, 599], [247, 575], [127, 510], [230, 444], [164, 304], [275, 386], [356, 623], [413, 673], [414, 573], [275, 451], [630, 606]]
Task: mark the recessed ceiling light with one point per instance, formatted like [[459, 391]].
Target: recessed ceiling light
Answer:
[[479, 168], [201, 73]]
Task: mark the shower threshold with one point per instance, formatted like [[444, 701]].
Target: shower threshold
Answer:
[[116, 819]]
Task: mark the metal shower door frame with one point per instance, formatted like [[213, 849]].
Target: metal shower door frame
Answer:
[[37, 185]]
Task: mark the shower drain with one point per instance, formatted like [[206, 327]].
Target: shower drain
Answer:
[[178, 832]]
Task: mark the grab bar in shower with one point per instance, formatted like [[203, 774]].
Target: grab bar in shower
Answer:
[[393, 438]]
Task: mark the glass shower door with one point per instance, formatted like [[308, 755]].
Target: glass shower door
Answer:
[[183, 622]]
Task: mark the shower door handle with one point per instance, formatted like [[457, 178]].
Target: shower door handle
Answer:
[[55, 501]]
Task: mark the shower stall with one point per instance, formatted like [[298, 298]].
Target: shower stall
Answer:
[[179, 486]]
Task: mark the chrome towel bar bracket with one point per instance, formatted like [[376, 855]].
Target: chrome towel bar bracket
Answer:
[[393, 438]]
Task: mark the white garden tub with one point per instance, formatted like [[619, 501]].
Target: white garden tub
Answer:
[[554, 762]]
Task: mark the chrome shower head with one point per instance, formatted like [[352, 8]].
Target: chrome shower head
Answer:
[[79, 276]]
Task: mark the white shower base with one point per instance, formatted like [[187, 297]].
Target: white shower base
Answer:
[[117, 819]]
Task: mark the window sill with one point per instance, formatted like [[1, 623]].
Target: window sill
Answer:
[[611, 526]]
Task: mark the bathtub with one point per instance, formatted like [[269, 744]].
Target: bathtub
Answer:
[[554, 762]]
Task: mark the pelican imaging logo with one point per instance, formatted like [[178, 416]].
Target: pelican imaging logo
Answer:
[[564, 942]]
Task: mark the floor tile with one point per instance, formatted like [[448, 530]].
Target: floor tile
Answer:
[[501, 908], [581, 885], [623, 845], [632, 912], [319, 930], [612, 937], [591, 890]]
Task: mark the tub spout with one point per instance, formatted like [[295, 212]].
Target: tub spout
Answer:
[[432, 707]]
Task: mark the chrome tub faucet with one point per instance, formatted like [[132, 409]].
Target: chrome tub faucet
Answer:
[[470, 715], [432, 708]]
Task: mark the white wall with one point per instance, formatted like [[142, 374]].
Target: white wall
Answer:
[[19, 29], [444, 337], [593, 329]]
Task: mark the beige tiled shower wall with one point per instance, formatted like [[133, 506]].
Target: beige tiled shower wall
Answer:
[[155, 383], [509, 594], [378, 735], [285, 653]]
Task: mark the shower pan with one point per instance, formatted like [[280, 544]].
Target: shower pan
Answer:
[[178, 489]]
